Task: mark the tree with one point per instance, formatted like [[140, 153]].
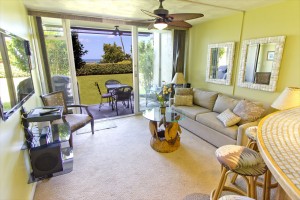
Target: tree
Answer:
[[146, 59], [78, 51], [57, 57], [18, 57], [113, 54]]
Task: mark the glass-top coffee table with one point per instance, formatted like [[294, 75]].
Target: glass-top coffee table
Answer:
[[164, 129]]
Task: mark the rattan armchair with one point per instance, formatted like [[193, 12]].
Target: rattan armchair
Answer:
[[76, 121]]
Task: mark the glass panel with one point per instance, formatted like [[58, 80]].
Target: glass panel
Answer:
[[19, 67], [57, 57], [4, 93], [155, 66]]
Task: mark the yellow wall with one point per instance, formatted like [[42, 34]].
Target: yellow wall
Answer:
[[14, 163], [275, 20]]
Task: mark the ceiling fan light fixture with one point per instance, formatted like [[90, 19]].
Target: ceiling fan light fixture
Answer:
[[160, 24]]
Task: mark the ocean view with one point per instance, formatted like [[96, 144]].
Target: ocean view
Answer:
[[91, 60]]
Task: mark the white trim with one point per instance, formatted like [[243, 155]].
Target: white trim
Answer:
[[279, 40], [135, 74], [67, 33], [230, 58]]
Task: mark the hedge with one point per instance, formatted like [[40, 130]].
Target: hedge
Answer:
[[105, 68]]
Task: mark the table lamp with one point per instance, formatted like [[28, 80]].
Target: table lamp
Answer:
[[178, 79], [289, 98]]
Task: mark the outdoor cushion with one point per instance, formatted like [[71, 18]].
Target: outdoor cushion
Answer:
[[205, 99], [210, 120], [184, 91], [223, 102], [248, 111], [228, 118], [190, 111], [183, 100]]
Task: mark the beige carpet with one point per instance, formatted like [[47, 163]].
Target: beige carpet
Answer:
[[98, 126], [120, 164]]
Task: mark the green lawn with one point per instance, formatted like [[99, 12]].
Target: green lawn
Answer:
[[88, 91]]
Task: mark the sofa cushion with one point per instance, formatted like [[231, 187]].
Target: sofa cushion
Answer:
[[248, 111], [205, 99], [228, 118], [184, 91], [210, 120], [223, 102], [190, 111], [183, 100]]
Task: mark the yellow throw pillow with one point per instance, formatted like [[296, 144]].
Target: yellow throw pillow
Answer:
[[183, 100]]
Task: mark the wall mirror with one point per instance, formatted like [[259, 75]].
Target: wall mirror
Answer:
[[15, 74], [219, 63], [260, 63]]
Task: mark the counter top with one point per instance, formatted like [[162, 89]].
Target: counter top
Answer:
[[278, 140]]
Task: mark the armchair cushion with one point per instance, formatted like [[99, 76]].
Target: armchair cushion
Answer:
[[76, 121]]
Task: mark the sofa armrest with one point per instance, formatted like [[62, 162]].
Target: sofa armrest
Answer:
[[242, 138]]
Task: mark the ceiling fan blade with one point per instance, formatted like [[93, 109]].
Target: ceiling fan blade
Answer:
[[151, 26], [181, 24], [150, 14], [185, 16]]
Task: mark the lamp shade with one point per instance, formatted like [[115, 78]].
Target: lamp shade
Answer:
[[178, 78], [289, 98]]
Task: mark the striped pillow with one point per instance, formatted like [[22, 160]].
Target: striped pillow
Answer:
[[228, 118]]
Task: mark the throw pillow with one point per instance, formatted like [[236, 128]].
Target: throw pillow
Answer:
[[183, 100], [228, 118], [223, 102], [184, 91], [205, 99], [248, 111]]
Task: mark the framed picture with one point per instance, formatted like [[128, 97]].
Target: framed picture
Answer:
[[270, 55]]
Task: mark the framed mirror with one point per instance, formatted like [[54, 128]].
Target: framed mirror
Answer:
[[219, 63], [15, 74], [260, 63]]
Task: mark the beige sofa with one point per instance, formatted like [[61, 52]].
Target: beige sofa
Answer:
[[200, 109]]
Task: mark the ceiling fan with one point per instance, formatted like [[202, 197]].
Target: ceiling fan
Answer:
[[162, 18]]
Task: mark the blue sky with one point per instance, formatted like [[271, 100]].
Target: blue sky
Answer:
[[94, 44]]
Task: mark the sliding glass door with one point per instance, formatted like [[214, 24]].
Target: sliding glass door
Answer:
[[154, 65]]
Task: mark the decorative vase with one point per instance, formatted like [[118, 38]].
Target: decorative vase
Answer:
[[163, 109]]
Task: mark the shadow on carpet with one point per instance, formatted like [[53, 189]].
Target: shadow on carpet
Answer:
[[100, 125]]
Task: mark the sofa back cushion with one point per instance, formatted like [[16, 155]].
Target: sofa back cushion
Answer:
[[224, 102], [248, 111], [205, 99], [184, 91]]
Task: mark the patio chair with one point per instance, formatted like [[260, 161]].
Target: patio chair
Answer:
[[111, 82], [122, 94], [76, 121], [106, 96]]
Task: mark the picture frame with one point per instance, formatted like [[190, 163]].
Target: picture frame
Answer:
[[270, 55]]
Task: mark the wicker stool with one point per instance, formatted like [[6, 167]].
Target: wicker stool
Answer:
[[235, 197], [251, 133], [240, 160]]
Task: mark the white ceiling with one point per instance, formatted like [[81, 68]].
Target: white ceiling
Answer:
[[131, 9]]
